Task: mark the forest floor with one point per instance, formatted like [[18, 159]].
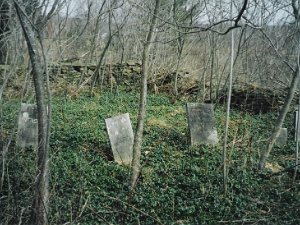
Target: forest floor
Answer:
[[178, 184]]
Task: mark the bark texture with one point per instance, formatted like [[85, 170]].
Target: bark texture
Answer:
[[41, 185], [138, 137]]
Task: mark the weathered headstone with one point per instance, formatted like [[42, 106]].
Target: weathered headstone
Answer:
[[121, 138], [282, 138], [27, 126], [201, 123]]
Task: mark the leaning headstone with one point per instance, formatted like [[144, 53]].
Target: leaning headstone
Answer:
[[201, 123], [121, 138], [282, 138], [27, 126]]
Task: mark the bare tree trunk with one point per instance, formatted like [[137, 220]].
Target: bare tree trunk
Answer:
[[288, 100], [180, 44], [96, 30], [225, 161], [296, 13], [41, 186], [212, 65], [4, 28], [179, 54], [297, 133], [138, 138], [95, 76], [202, 80]]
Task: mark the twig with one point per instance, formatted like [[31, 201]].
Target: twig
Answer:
[[242, 221], [83, 207], [21, 216]]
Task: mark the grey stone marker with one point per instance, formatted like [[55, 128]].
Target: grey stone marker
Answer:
[[27, 126], [201, 123], [282, 138], [121, 138]]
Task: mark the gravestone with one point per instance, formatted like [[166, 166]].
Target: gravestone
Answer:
[[201, 123], [27, 126], [120, 134], [282, 138]]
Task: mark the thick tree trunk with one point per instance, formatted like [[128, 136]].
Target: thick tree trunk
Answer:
[[41, 186], [136, 165]]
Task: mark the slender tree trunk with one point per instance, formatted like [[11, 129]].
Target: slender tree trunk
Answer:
[[288, 100], [180, 44], [225, 161], [41, 186], [4, 28], [298, 119], [297, 135], [96, 30], [138, 138], [96, 72], [212, 64], [180, 48]]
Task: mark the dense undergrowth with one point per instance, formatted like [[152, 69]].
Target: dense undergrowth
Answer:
[[178, 184]]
